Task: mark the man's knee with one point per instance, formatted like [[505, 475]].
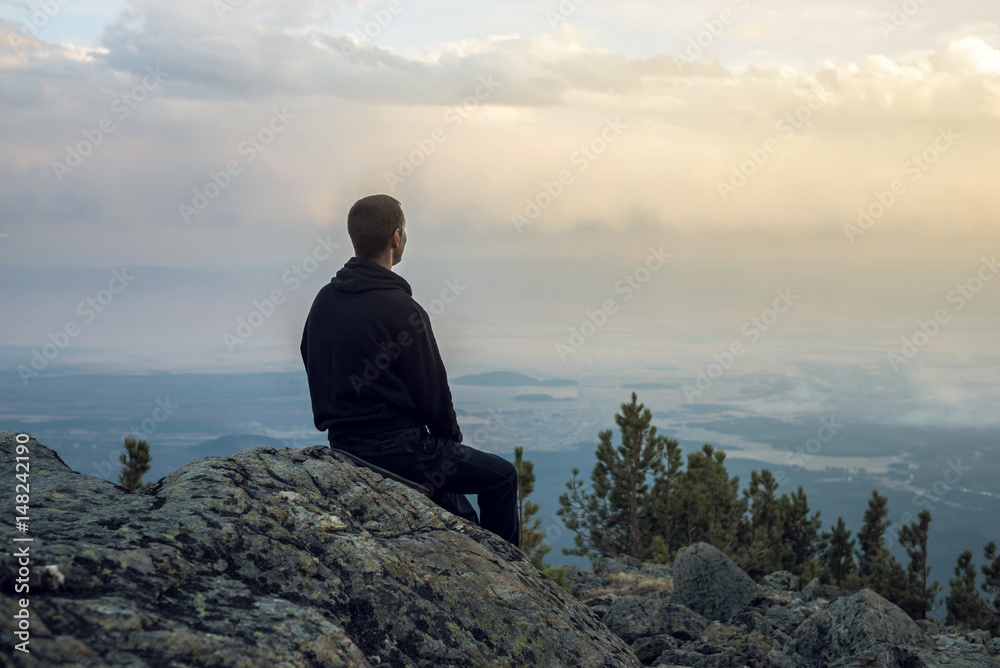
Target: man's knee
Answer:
[[509, 473]]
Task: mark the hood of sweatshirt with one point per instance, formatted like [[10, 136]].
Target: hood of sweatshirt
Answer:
[[359, 275]]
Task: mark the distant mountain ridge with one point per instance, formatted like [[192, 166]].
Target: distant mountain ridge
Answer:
[[510, 379]]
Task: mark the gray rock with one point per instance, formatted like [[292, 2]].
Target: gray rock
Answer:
[[783, 580], [634, 617], [287, 557], [602, 600], [685, 657], [814, 590], [778, 658], [753, 620], [786, 617], [708, 582], [619, 564], [580, 581], [928, 626], [651, 647], [963, 645], [978, 636], [954, 657], [854, 627], [657, 570]]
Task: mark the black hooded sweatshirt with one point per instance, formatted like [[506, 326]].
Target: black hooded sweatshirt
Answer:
[[371, 358]]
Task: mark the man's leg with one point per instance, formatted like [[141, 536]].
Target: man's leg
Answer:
[[456, 504], [451, 470], [460, 469]]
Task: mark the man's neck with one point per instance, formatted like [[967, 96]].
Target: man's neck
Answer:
[[384, 260]]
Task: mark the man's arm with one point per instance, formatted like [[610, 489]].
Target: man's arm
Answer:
[[422, 369]]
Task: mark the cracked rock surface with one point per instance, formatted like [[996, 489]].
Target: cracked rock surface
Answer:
[[284, 558]]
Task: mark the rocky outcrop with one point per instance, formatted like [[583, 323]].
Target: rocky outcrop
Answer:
[[286, 557], [778, 627]]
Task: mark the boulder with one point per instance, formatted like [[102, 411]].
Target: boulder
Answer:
[[978, 636], [651, 647], [581, 581], [928, 625], [787, 617], [620, 564], [693, 659], [657, 570], [289, 557], [783, 580], [708, 582], [859, 626], [634, 617], [814, 590], [951, 657]]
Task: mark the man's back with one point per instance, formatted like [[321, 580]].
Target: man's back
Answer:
[[378, 384], [371, 358]]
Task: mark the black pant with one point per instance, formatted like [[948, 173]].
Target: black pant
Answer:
[[451, 470]]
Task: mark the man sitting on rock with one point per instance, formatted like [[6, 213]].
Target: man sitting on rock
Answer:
[[377, 382]]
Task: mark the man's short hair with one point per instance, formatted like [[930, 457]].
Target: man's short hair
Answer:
[[371, 222]]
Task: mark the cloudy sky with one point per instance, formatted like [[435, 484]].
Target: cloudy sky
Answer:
[[843, 150]]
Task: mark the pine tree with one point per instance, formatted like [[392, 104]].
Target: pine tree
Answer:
[[659, 521], [991, 585], [531, 537], [135, 465], [920, 595], [607, 520], [801, 531], [878, 569], [836, 552], [965, 607], [871, 537], [761, 533], [709, 507], [597, 525]]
